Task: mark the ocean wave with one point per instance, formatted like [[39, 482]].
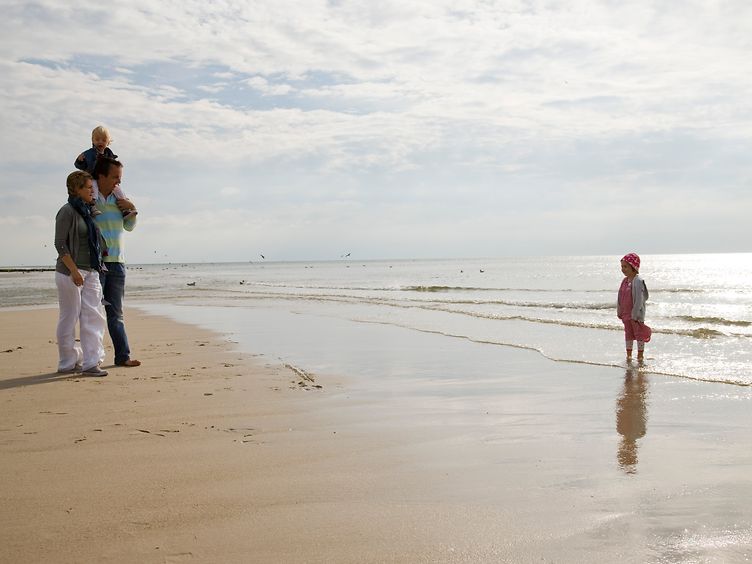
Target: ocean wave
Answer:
[[539, 305], [678, 290], [663, 372], [418, 288], [445, 306], [421, 288], [587, 306], [715, 320], [438, 288], [698, 333]]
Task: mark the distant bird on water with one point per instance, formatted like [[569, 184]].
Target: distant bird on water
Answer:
[[191, 284]]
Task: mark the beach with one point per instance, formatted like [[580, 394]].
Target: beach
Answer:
[[214, 452]]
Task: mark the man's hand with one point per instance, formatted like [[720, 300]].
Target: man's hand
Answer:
[[125, 205]]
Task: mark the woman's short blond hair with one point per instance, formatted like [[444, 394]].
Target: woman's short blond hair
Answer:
[[100, 132], [76, 180]]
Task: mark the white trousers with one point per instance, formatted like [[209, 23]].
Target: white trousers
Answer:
[[82, 305]]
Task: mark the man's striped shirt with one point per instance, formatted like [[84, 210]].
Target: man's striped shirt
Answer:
[[112, 225]]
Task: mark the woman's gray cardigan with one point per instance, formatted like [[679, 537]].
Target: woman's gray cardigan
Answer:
[[66, 236]]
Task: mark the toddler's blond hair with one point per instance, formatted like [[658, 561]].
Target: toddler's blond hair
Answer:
[[102, 132]]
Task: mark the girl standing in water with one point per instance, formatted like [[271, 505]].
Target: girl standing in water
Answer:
[[630, 306]]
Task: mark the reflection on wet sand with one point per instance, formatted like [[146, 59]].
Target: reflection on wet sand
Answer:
[[631, 418]]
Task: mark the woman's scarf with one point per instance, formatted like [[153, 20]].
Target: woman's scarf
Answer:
[[95, 249]]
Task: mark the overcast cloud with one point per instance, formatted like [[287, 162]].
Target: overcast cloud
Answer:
[[305, 130]]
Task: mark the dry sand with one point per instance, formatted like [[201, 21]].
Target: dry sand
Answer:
[[204, 454], [201, 454], [149, 463]]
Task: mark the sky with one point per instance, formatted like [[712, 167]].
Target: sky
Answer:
[[306, 130]]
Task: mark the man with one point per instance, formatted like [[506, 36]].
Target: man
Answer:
[[107, 175]]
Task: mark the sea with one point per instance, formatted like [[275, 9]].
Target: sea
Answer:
[[561, 307]]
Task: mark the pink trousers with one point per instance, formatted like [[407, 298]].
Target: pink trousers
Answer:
[[636, 331]]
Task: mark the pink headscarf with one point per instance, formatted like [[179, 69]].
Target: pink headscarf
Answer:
[[633, 260]]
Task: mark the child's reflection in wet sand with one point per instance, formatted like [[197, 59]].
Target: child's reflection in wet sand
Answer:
[[631, 418]]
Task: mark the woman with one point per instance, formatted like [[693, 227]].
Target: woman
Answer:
[[79, 245]]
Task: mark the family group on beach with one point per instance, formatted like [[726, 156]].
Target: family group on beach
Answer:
[[90, 268]]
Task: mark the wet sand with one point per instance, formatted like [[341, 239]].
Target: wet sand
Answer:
[[207, 454]]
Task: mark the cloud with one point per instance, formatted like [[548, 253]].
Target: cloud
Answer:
[[262, 85], [212, 88], [356, 109]]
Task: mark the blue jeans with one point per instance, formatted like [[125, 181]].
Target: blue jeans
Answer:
[[113, 291]]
